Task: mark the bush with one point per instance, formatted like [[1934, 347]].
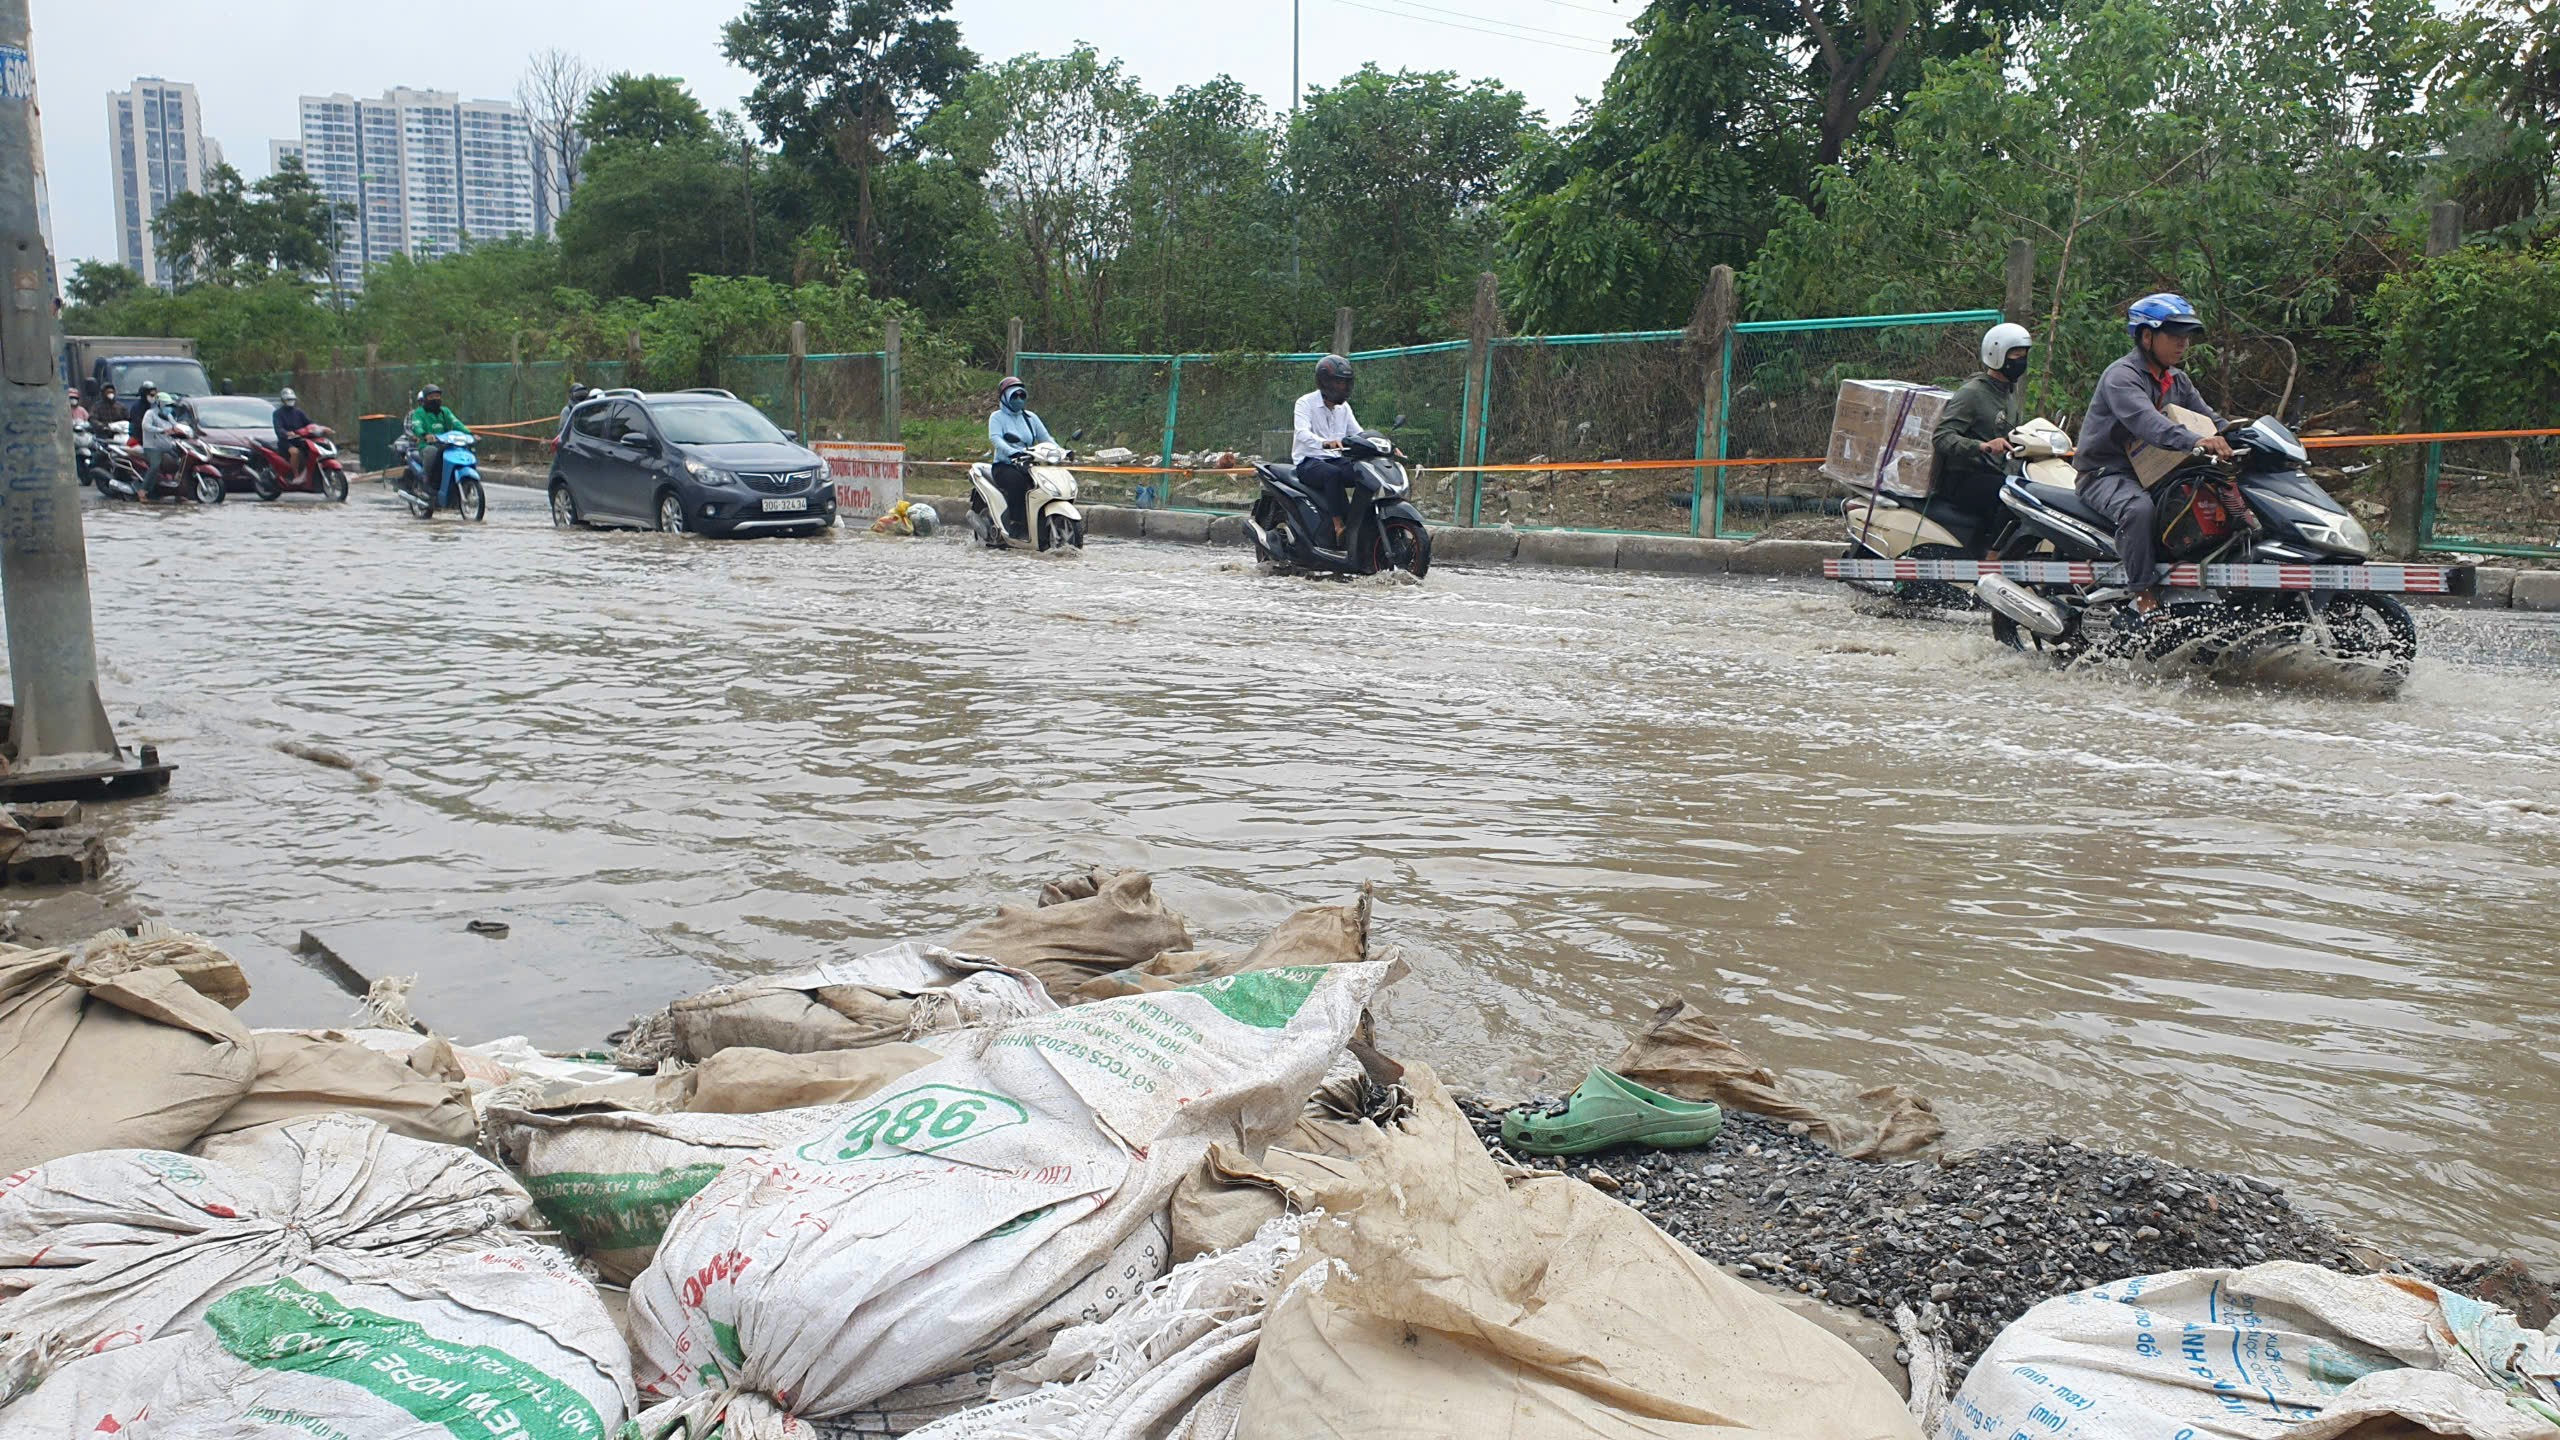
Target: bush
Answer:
[[2474, 338]]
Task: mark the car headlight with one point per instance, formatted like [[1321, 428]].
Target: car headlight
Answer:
[[710, 474]]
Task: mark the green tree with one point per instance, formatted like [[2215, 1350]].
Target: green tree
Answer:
[[1049, 139], [239, 328], [1393, 179], [2259, 156], [1680, 167], [100, 282], [1206, 262], [644, 110], [231, 230], [651, 217], [845, 80]]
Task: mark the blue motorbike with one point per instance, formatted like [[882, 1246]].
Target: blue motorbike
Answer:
[[460, 491]]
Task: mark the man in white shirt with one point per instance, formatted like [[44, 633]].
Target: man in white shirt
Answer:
[[1324, 420]]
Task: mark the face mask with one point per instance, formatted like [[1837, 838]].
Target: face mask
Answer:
[[2014, 370], [1015, 402]]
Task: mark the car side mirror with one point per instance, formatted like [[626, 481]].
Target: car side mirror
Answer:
[[642, 441], [791, 435]]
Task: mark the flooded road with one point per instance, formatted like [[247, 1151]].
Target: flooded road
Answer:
[[2292, 934]]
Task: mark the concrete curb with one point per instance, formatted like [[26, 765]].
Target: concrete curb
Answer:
[[2500, 588]]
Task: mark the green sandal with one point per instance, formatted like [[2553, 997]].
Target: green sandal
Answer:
[[1612, 1110]]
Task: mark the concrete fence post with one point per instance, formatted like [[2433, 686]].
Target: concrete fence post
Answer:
[[889, 381], [1483, 325], [1342, 331], [797, 376], [1710, 345], [2406, 486], [1013, 346]]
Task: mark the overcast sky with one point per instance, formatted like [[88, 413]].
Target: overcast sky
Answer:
[[250, 59]]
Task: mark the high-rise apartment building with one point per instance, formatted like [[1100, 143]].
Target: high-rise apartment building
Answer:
[[157, 145], [417, 173]]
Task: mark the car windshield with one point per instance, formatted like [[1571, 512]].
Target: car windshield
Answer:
[[178, 377], [233, 412], [715, 422]]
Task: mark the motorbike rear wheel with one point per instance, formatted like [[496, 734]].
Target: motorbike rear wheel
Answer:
[[1934, 594], [1267, 521], [470, 499]]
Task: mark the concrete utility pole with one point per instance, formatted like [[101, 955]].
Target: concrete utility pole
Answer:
[[61, 723]]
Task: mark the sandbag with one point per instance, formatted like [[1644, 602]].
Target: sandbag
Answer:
[[1091, 925], [2282, 1349], [318, 1072], [1474, 1307], [609, 1179], [1146, 1369], [900, 993], [1682, 1053], [321, 1276], [117, 1044], [971, 1193], [1317, 935]]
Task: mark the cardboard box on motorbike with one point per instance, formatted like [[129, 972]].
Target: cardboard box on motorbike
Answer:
[[1880, 436]]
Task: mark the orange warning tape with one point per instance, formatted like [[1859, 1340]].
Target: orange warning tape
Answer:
[[2360, 442]]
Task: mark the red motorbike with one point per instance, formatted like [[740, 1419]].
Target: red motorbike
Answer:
[[135, 474], [310, 467]]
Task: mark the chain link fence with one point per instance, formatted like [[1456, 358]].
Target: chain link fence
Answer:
[[2486, 497], [1588, 400]]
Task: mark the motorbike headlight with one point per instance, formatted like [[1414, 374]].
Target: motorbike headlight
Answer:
[[1065, 484], [2329, 529]]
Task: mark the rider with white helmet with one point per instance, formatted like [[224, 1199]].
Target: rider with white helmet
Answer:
[[2129, 410], [289, 418], [1972, 438]]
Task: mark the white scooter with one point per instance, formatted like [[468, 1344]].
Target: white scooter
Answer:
[[1049, 512]]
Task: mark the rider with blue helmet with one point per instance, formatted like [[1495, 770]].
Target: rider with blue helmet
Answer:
[[2129, 410]]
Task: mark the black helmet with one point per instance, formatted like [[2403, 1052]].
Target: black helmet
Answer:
[[432, 392], [1333, 380]]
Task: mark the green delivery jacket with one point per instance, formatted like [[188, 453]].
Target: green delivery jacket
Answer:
[[1985, 407], [426, 424]]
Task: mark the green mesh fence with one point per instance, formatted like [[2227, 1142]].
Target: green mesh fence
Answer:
[[2482, 497], [1118, 402], [764, 381], [1782, 379], [1590, 399], [843, 397]]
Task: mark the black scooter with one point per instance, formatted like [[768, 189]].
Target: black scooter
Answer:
[[1382, 530]]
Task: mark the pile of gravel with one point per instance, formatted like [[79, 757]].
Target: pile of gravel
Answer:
[[1983, 1236]]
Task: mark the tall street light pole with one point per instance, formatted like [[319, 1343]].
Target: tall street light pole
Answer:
[[60, 727]]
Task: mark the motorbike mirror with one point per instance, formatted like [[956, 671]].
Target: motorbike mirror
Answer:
[[1075, 434], [1399, 421]]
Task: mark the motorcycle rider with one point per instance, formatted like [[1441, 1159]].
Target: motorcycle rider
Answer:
[[1012, 430], [106, 412], [1972, 436], [1323, 420], [158, 430], [289, 418], [430, 421], [2128, 411], [144, 400]]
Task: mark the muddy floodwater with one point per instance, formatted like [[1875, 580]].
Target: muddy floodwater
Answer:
[[2292, 933]]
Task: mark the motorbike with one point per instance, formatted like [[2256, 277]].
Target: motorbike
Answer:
[[192, 474], [1050, 517], [460, 492], [91, 445], [1885, 524], [2259, 507], [1382, 530], [311, 467]]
